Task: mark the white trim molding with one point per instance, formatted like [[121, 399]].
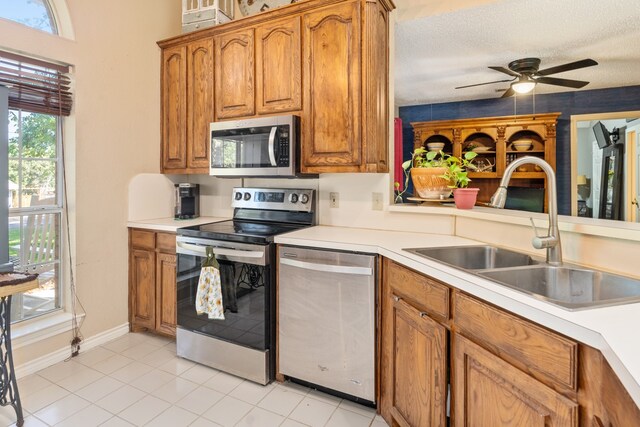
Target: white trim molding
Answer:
[[54, 357]]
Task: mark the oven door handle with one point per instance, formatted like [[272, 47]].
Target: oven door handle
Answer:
[[198, 250], [272, 145], [327, 268]]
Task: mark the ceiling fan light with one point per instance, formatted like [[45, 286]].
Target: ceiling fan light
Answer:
[[523, 86]]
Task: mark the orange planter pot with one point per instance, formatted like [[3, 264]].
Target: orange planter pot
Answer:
[[429, 184]]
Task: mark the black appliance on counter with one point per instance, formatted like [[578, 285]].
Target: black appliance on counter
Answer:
[[242, 344], [187, 201]]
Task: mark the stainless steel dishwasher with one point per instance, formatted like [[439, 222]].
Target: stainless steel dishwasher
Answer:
[[326, 313]]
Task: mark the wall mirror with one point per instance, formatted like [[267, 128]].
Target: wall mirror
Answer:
[[605, 166]]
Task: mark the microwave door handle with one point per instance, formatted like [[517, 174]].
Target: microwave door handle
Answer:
[[187, 248], [272, 144]]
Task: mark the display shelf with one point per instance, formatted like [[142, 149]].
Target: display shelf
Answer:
[[499, 133]]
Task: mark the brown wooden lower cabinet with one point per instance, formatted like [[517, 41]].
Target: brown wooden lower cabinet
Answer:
[[419, 367], [501, 369], [490, 392], [152, 281]]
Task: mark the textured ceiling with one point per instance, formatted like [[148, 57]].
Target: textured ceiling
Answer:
[[442, 44]]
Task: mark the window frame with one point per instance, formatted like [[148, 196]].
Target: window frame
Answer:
[[57, 209]]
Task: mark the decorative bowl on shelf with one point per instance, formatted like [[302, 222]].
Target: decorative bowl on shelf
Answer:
[[522, 144], [522, 168], [435, 146], [480, 149]]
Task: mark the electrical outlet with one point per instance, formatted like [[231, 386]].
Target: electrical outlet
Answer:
[[376, 201], [334, 199]]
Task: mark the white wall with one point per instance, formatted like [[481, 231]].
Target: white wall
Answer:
[[113, 134]]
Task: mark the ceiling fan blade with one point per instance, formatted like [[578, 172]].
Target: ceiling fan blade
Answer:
[[567, 67], [506, 71], [508, 93], [487, 83], [577, 84]]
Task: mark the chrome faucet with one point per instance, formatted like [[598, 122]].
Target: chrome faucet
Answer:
[[551, 242]]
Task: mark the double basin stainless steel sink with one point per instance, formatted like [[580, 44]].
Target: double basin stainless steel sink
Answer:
[[568, 286]]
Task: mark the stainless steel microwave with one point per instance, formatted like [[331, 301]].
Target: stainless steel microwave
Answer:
[[265, 147]]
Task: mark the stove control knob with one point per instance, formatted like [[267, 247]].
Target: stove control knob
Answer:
[[293, 198], [239, 195], [247, 196], [304, 199]]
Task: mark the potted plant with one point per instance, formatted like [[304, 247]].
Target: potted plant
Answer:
[[457, 174], [427, 170]]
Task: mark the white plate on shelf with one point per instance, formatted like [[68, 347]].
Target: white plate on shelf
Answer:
[[481, 149]]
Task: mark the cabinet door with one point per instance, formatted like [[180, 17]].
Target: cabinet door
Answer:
[[419, 368], [174, 108], [166, 294], [142, 288], [488, 391], [200, 104], [375, 86], [235, 83], [278, 67], [332, 62]]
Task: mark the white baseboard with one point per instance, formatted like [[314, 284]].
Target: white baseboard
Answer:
[[50, 359]]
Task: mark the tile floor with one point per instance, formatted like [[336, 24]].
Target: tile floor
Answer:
[[137, 380]]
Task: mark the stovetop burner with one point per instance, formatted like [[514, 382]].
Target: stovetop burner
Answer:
[[240, 231], [259, 215]]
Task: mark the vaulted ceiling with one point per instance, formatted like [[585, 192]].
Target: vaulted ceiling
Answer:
[[441, 44]]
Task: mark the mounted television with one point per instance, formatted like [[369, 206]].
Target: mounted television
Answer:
[[603, 137]]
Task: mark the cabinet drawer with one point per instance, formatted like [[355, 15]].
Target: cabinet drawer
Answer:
[[166, 242], [143, 239], [549, 357], [424, 293]]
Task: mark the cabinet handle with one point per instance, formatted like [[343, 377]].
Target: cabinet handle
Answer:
[[397, 299], [423, 314]]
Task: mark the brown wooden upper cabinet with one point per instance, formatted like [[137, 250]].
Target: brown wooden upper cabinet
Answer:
[[324, 60], [278, 66], [174, 108], [187, 106], [345, 73], [199, 103], [235, 77], [331, 125]]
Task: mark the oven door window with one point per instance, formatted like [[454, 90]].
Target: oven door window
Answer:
[[245, 294], [245, 148]]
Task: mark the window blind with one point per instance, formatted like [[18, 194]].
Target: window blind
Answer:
[[36, 86]]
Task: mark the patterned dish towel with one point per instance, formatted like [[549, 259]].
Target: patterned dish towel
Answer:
[[209, 295]]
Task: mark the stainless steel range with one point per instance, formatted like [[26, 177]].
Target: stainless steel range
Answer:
[[242, 344]]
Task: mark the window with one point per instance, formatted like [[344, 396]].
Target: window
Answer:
[[35, 208], [32, 13], [38, 99]]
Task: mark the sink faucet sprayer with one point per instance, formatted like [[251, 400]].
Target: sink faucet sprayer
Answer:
[[551, 242]]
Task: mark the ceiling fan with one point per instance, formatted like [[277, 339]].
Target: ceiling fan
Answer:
[[526, 75]]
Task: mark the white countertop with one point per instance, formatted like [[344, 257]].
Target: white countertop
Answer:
[[609, 329], [171, 224]]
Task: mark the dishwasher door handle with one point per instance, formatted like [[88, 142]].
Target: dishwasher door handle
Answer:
[[328, 268]]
